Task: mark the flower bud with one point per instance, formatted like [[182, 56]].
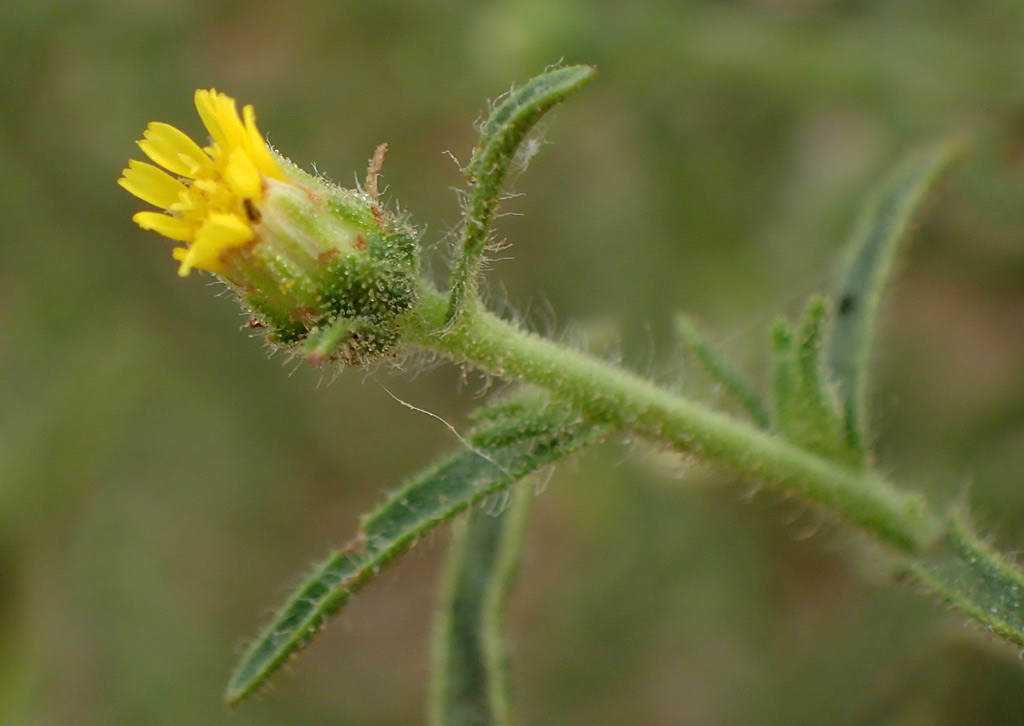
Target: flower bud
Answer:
[[320, 268]]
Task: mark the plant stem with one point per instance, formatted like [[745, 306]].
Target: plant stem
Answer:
[[628, 401]]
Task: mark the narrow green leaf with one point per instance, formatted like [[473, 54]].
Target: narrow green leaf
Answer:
[[500, 137], [470, 665], [785, 378], [976, 579], [808, 353], [885, 221], [821, 412], [433, 497], [719, 369], [805, 408]]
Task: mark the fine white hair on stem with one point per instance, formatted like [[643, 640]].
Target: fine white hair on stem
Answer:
[[462, 439]]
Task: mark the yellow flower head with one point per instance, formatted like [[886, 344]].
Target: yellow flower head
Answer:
[[319, 269], [211, 194]]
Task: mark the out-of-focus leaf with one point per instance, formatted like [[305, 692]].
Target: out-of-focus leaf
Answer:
[[885, 222], [470, 668], [720, 369]]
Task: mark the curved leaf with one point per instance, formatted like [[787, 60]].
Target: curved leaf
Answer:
[[885, 222], [731, 380], [500, 137]]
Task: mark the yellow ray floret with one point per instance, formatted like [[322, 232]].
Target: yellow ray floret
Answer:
[[209, 194]]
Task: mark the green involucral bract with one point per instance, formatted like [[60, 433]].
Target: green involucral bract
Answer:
[[332, 272]]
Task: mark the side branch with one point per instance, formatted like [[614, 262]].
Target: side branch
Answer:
[[629, 402], [940, 551]]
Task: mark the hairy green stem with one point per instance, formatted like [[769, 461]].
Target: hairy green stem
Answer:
[[632, 403]]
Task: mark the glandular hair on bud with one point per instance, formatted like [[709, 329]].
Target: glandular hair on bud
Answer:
[[330, 273]]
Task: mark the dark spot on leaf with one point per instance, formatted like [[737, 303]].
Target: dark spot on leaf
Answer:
[[847, 304]]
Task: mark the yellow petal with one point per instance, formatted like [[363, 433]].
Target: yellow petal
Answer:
[[230, 121], [173, 150], [258, 149], [168, 226], [224, 231], [241, 175], [220, 232], [151, 184], [206, 107], [193, 259], [220, 116], [185, 257]]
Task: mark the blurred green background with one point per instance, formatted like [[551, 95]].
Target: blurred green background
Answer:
[[163, 481]]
